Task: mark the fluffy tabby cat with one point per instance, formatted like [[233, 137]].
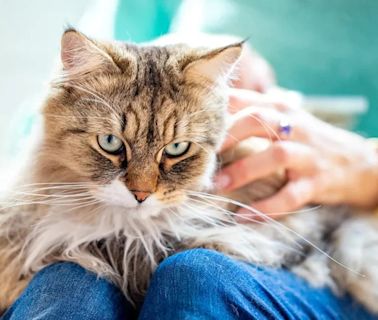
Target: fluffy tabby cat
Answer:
[[118, 180]]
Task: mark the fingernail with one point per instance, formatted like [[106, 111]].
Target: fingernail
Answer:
[[222, 181]]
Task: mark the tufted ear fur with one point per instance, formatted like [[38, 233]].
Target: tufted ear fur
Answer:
[[81, 55], [216, 65]]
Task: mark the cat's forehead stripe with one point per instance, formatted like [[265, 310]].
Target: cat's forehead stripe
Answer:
[[132, 129], [170, 127], [152, 84], [123, 122]]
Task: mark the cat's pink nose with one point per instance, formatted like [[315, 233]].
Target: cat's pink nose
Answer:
[[140, 196]]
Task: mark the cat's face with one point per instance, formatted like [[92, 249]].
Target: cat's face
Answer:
[[141, 124]]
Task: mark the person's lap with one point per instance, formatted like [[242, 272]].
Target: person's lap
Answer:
[[194, 284]]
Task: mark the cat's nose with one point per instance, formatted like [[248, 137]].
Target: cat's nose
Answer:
[[140, 196]]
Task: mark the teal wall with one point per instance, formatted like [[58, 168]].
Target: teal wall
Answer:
[[143, 20], [316, 46]]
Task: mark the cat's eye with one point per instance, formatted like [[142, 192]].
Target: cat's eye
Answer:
[[110, 143], [176, 149]]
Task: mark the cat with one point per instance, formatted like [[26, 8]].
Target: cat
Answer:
[[120, 179]]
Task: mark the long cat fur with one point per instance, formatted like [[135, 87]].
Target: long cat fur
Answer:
[[151, 93]]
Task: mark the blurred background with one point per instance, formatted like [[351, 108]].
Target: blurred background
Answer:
[[326, 50]]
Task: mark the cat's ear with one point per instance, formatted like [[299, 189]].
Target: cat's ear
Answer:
[[81, 55], [216, 65]]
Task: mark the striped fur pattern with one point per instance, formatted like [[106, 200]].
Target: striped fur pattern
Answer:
[[76, 203]]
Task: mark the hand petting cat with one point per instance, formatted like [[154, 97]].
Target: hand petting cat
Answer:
[[324, 164]]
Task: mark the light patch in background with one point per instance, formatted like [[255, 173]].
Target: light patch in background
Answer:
[[27, 63]]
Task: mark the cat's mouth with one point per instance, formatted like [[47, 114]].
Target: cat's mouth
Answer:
[[138, 212], [117, 197]]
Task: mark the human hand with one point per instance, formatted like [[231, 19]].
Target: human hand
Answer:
[[253, 72], [324, 164]]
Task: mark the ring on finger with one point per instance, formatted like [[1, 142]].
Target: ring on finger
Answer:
[[285, 129]]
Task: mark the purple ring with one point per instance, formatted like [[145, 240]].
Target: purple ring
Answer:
[[285, 128]]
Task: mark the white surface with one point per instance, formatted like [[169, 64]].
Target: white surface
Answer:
[[30, 34], [30, 38]]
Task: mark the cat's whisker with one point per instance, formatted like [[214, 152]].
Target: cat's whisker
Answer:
[[249, 219], [300, 211], [116, 114], [220, 198], [101, 102], [283, 213], [53, 195], [99, 99], [267, 218], [203, 204], [204, 149], [225, 211], [66, 201], [54, 201], [230, 201], [204, 196], [62, 194], [219, 224], [269, 130], [95, 95], [255, 221], [46, 198], [86, 204], [212, 221], [47, 203], [56, 189], [57, 184], [232, 137]]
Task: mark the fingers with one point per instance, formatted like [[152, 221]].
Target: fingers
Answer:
[[242, 98], [253, 121], [256, 114], [280, 155], [290, 198], [264, 123]]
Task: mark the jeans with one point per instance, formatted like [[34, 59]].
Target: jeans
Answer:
[[194, 284]]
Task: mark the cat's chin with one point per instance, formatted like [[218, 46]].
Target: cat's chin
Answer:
[[138, 211], [144, 212]]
